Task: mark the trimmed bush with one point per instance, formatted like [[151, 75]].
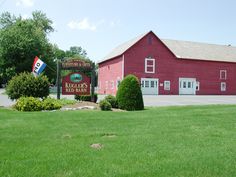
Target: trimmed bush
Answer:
[[51, 104], [26, 85], [35, 104], [129, 95], [28, 104], [86, 97], [105, 105], [112, 100]]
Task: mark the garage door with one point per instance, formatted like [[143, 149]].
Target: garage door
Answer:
[[187, 86], [149, 86]]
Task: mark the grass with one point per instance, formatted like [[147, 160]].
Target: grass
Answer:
[[187, 141], [65, 101]]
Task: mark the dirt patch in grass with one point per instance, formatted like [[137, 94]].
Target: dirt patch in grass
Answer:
[[82, 105], [96, 146]]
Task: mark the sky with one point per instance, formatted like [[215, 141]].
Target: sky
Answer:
[[98, 26]]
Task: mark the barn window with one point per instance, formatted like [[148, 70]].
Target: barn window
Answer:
[[223, 74], [150, 40], [222, 86], [106, 85], [118, 82], [112, 84], [149, 65], [166, 85]]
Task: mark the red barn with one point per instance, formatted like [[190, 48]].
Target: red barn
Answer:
[[170, 67]]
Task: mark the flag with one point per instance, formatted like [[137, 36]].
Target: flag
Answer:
[[38, 66]]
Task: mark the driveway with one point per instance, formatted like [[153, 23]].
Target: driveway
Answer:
[[4, 100], [179, 100], [150, 100]]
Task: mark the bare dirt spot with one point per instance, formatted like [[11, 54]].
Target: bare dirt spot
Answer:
[[81, 105], [96, 146]]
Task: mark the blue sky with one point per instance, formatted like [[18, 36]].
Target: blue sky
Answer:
[[100, 25]]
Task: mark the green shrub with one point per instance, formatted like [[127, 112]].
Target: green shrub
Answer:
[[51, 104], [28, 104], [26, 85], [35, 104], [105, 105], [86, 97], [129, 94], [112, 100]]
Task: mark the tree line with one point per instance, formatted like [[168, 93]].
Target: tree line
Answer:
[[23, 39]]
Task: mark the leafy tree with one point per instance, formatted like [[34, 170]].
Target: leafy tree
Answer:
[[23, 39], [58, 53], [76, 51], [6, 74]]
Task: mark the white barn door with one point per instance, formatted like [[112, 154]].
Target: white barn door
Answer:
[[187, 86], [149, 86]]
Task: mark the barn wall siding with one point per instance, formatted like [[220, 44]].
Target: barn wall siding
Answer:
[[109, 72]]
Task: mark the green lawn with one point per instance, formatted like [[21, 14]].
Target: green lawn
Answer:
[[197, 141]]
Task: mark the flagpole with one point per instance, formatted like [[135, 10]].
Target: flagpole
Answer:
[[51, 68]]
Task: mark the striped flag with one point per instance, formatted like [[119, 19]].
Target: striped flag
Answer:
[[38, 66]]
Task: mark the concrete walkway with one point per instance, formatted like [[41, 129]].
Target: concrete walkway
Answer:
[[150, 100]]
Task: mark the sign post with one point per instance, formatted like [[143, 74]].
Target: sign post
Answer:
[[93, 82], [58, 79]]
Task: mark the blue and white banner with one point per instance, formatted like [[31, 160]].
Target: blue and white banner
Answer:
[[38, 66]]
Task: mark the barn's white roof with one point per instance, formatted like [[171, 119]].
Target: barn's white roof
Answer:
[[184, 50]]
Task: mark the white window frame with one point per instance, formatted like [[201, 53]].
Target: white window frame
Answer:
[[225, 74], [223, 88], [148, 66], [166, 85]]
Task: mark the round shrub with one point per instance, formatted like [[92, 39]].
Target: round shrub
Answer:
[[105, 105], [112, 100], [51, 104], [26, 85], [129, 95], [28, 104]]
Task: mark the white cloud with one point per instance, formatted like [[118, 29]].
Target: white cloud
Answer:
[[84, 24], [25, 3], [114, 23]]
